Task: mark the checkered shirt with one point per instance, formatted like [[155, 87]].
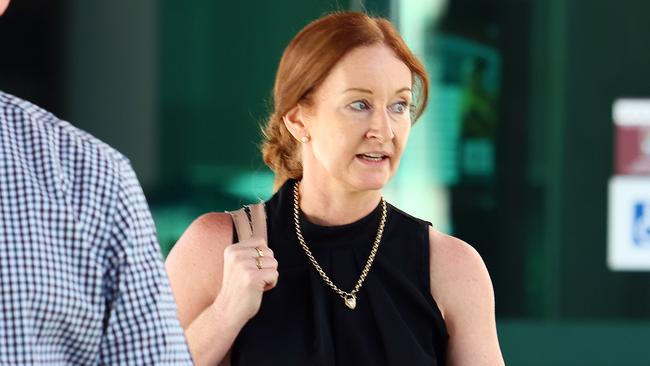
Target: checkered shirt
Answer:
[[81, 274]]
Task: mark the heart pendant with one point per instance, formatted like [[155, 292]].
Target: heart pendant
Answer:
[[351, 302]]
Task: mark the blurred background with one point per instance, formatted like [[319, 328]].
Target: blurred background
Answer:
[[513, 155]]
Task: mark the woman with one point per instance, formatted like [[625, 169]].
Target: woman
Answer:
[[345, 278]]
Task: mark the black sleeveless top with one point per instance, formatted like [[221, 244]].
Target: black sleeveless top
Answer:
[[304, 322]]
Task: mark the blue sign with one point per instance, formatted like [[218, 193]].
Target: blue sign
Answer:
[[641, 226]]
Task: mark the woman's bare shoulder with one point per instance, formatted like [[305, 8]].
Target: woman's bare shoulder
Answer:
[[207, 236], [195, 263], [459, 277], [461, 285]]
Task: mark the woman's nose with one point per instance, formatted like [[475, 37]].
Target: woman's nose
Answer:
[[380, 126]]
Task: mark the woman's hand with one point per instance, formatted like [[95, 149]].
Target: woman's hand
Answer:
[[243, 281]]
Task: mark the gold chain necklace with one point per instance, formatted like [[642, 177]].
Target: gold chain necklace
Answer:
[[350, 298]]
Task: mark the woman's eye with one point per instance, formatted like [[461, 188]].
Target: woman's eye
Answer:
[[400, 107], [360, 105]]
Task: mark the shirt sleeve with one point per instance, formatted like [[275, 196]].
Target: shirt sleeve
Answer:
[[140, 324]]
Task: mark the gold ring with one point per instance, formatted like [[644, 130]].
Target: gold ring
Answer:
[[260, 253], [258, 262]]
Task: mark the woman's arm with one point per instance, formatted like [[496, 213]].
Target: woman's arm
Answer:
[[462, 288], [217, 286]]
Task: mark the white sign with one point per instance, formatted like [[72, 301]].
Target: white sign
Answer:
[[628, 247], [631, 112]]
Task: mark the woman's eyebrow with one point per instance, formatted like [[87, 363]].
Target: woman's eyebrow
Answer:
[[368, 91]]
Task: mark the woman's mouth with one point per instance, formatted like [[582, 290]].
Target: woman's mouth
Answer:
[[372, 157]]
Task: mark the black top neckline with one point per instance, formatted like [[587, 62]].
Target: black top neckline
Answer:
[[334, 236]]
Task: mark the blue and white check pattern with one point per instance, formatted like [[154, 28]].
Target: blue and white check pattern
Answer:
[[81, 274]]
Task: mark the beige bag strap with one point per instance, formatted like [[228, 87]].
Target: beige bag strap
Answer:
[[258, 220], [255, 226]]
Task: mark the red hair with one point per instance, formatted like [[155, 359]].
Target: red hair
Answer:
[[307, 61]]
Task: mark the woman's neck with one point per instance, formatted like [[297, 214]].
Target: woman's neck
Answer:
[[331, 205]]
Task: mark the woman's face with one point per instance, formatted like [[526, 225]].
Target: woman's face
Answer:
[[359, 120]]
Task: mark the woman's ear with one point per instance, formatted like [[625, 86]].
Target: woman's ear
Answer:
[[295, 123]]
